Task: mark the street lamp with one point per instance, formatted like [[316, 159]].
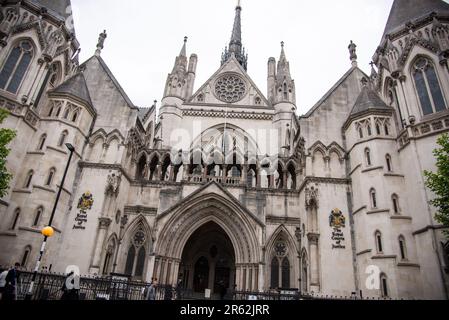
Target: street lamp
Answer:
[[48, 231]]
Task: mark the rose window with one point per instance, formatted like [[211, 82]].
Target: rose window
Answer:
[[230, 88]]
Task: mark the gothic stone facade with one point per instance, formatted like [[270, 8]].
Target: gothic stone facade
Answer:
[[341, 198]]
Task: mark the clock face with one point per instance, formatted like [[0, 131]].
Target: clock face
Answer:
[[230, 88], [281, 249]]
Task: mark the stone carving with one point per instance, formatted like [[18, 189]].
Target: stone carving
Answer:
[[85, 203], [337, 221], [311, 197], [113, 182]]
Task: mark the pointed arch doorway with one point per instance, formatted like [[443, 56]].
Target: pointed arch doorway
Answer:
[[208, 260]]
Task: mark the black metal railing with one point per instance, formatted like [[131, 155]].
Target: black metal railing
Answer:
[[49, 286]]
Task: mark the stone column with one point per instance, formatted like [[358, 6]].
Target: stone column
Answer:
[[314, 262], [238, 275], [244, 174], [261, 275], [103, 226]]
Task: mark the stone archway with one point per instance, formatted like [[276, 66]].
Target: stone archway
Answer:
[[179, 224], [208, 260]]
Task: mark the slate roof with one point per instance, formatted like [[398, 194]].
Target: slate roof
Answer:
[[75, 86], [368, 100], [61, 7], [404, 11]]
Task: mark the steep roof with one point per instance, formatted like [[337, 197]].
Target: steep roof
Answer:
[[113, 79], [368, 100], [332, 90], [60, 7], [404, 11], [75, 86]]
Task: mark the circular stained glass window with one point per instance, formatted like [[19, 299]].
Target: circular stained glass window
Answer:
[[230, 88], [139, 238]]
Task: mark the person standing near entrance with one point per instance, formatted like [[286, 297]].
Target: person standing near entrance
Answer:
[[10, 291], [151, 294], [3, 274]]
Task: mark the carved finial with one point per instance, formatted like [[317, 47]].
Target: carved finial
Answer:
[[238, 4], [282, 44], [100, 44], [352, 53]]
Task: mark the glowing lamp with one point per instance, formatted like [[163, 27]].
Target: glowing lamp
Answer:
[[48, 231]]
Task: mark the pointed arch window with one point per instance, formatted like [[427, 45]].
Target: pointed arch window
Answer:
[[25, 256], [428, 86], [75, 116], [384, 285], [38, 216], [389, 163], [285, 273], [16, 65], [373, 197], [135, 261], [368, 157], [402, 248], [51, 175], [360, 132], [15, 219], [379, 247], [66, 113], [41, 144], [29, 179], [275, 273], [280, 266], [395, 202], [62, 138], [368, 129]]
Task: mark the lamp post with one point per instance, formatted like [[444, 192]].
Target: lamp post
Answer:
[[49, 231]]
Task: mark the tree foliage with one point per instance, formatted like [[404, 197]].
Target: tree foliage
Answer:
[[438, 181], [6, 136]]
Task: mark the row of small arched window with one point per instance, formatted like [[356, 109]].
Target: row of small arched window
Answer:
[[43, 139], [369, 132], [401, 241], [48, 181], [394, 201], [17, 214], [73, 115], [369, 162]]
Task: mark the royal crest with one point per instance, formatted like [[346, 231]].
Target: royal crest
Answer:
[[86, 201], [337, 219]]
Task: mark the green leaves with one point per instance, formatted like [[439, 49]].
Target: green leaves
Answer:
[[438, 181], [6, 136]]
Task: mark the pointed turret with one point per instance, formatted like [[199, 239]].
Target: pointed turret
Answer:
[[368, 101], [404, 11], [284, 84], [235, 45], [180, 80]]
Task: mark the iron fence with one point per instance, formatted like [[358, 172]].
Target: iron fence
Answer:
[[49, 286]]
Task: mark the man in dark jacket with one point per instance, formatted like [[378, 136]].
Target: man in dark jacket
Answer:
[[11, 283]]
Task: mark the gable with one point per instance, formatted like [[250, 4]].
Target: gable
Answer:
[[243, 91]]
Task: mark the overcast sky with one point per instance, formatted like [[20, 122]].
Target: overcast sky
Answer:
[[145, 36]]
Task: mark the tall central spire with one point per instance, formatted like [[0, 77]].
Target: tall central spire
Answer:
[[235, 45]]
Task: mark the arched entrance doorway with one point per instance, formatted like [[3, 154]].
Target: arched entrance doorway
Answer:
[[208, 260]]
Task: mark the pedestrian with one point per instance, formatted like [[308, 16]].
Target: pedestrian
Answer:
[[151, 294], [223, 290], [72, 293], [3, 274], [179, 290], [168, 292], [10, 290]]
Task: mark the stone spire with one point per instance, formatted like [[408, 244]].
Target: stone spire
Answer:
[[235, 45], [183, 52], [284, 85], [100, 44], [353, 53]]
